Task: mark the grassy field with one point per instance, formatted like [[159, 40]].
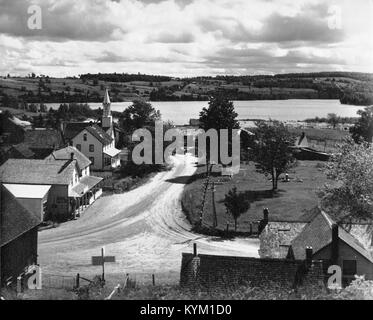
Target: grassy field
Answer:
[[321, 134], [325, 140], [122, 91], [289, 203]]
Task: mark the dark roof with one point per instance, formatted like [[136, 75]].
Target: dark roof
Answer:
[[37, 171], [43, 139], [65, 154], [72, 129], [21, 150], [15, 219], [99, 134], [318, 234]]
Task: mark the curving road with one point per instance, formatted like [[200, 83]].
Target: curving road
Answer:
[[145, 229]]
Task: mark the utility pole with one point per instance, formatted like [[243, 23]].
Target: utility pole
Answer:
[[214, 206], [103, 263]]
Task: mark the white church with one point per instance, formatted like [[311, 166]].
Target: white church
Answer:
[[96, 140]]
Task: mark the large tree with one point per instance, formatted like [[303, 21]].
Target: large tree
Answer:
[[363, 129], [236, 204], [333, 119], [140, 114], [270, 149], [350, 191], [220, 114]]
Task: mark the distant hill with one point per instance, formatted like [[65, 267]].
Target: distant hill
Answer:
[[350, 87]]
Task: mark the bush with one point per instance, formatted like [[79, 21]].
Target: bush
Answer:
[[359, 289]]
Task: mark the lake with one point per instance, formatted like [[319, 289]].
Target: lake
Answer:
[[181, 111]]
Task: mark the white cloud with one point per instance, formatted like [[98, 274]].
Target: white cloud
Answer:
[[185, 38]]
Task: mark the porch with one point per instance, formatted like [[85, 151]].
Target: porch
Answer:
[[111, 158], [86, 192]]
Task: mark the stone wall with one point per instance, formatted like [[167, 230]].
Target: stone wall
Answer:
[[229, 272]]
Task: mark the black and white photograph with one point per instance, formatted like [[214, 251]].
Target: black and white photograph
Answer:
[[199, 151]]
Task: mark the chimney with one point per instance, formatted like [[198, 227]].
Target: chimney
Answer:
[[309, 254], [334, 245], [72, 156], [263, 223], [265, 214]]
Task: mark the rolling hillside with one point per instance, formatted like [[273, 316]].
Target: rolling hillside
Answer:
[[350, 88]]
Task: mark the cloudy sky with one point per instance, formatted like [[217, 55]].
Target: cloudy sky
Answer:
[[186, 37]]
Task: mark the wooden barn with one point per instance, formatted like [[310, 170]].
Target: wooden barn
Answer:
[[18, 238]]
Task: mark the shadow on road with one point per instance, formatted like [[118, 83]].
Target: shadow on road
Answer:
[[192, 178]]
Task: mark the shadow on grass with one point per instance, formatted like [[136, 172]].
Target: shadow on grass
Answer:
[[258, 195], [222, 235]]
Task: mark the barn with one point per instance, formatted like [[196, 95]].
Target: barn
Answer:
[[18, 238]]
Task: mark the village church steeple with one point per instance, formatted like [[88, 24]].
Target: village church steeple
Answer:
[[107, 119]]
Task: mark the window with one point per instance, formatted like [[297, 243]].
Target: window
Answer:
[[107, 161], [349, 267], [91, 148], [79, 147], [92, 159], [85, 137]]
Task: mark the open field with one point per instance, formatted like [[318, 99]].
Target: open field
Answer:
[[289, 203], [29, 87], [321, 134], [325, 140]]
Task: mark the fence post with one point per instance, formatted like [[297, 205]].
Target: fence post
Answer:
[[77, 280], [19, 284]]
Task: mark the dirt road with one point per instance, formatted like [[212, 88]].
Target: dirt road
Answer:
[[145, 229]]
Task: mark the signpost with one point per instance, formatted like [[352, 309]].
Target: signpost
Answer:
[[100, 260]]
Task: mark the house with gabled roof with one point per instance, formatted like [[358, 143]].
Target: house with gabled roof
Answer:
[[66, 172], [96, 140], [348, 245], [332, 244], [98, 146], [18, 238]]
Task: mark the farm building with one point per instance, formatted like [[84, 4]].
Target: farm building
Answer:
[[18, 237]]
